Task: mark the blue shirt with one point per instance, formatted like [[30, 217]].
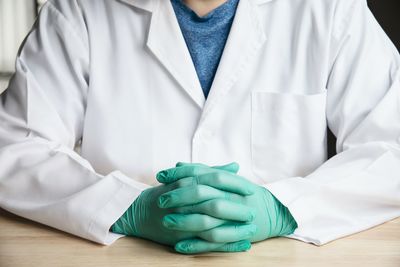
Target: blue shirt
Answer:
[[205, 37]]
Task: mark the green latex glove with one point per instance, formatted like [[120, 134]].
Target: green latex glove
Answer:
[[203, 190], [228, 233]]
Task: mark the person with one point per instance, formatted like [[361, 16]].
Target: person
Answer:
[[108, 95]]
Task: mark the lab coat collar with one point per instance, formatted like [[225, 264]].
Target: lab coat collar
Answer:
[[166, 42], [142, 4]]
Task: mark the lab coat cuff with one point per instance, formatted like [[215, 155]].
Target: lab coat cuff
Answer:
[[124, 196], [290, 192]]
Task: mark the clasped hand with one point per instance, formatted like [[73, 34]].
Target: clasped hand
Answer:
[[200, 208]]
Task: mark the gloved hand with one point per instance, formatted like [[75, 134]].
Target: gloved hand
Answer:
[[198, 232], [204, 190]]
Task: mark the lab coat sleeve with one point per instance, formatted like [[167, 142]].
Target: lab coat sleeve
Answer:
[[41, 113], [360, 187]]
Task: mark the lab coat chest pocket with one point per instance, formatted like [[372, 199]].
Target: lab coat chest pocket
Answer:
[[288, 135]]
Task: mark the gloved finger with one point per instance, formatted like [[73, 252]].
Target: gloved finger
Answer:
[[231, 167], [240, 246], [221, 209], [188, 170], [229, 233], [222, 180], [179, 164], [194, 194], [191, 222], [195, 246]]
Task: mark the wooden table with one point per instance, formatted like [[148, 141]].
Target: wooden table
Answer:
[[25, 243]]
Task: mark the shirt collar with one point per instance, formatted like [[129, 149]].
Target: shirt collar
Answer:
[[219, 15]]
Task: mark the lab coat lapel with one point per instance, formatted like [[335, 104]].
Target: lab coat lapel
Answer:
[[147, 5], [166, 42], [244, 41]]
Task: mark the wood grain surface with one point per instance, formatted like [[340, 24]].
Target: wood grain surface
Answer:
[[25, 243]]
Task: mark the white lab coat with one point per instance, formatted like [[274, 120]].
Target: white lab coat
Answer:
[[116, 77]]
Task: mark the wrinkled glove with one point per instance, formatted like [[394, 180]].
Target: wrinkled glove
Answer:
[[201, 189], [230, 232]]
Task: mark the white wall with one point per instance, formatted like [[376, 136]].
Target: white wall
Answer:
[[16, 19], [3, 84], [41, 2]]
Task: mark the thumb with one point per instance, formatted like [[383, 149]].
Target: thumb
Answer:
[[231, 167]]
